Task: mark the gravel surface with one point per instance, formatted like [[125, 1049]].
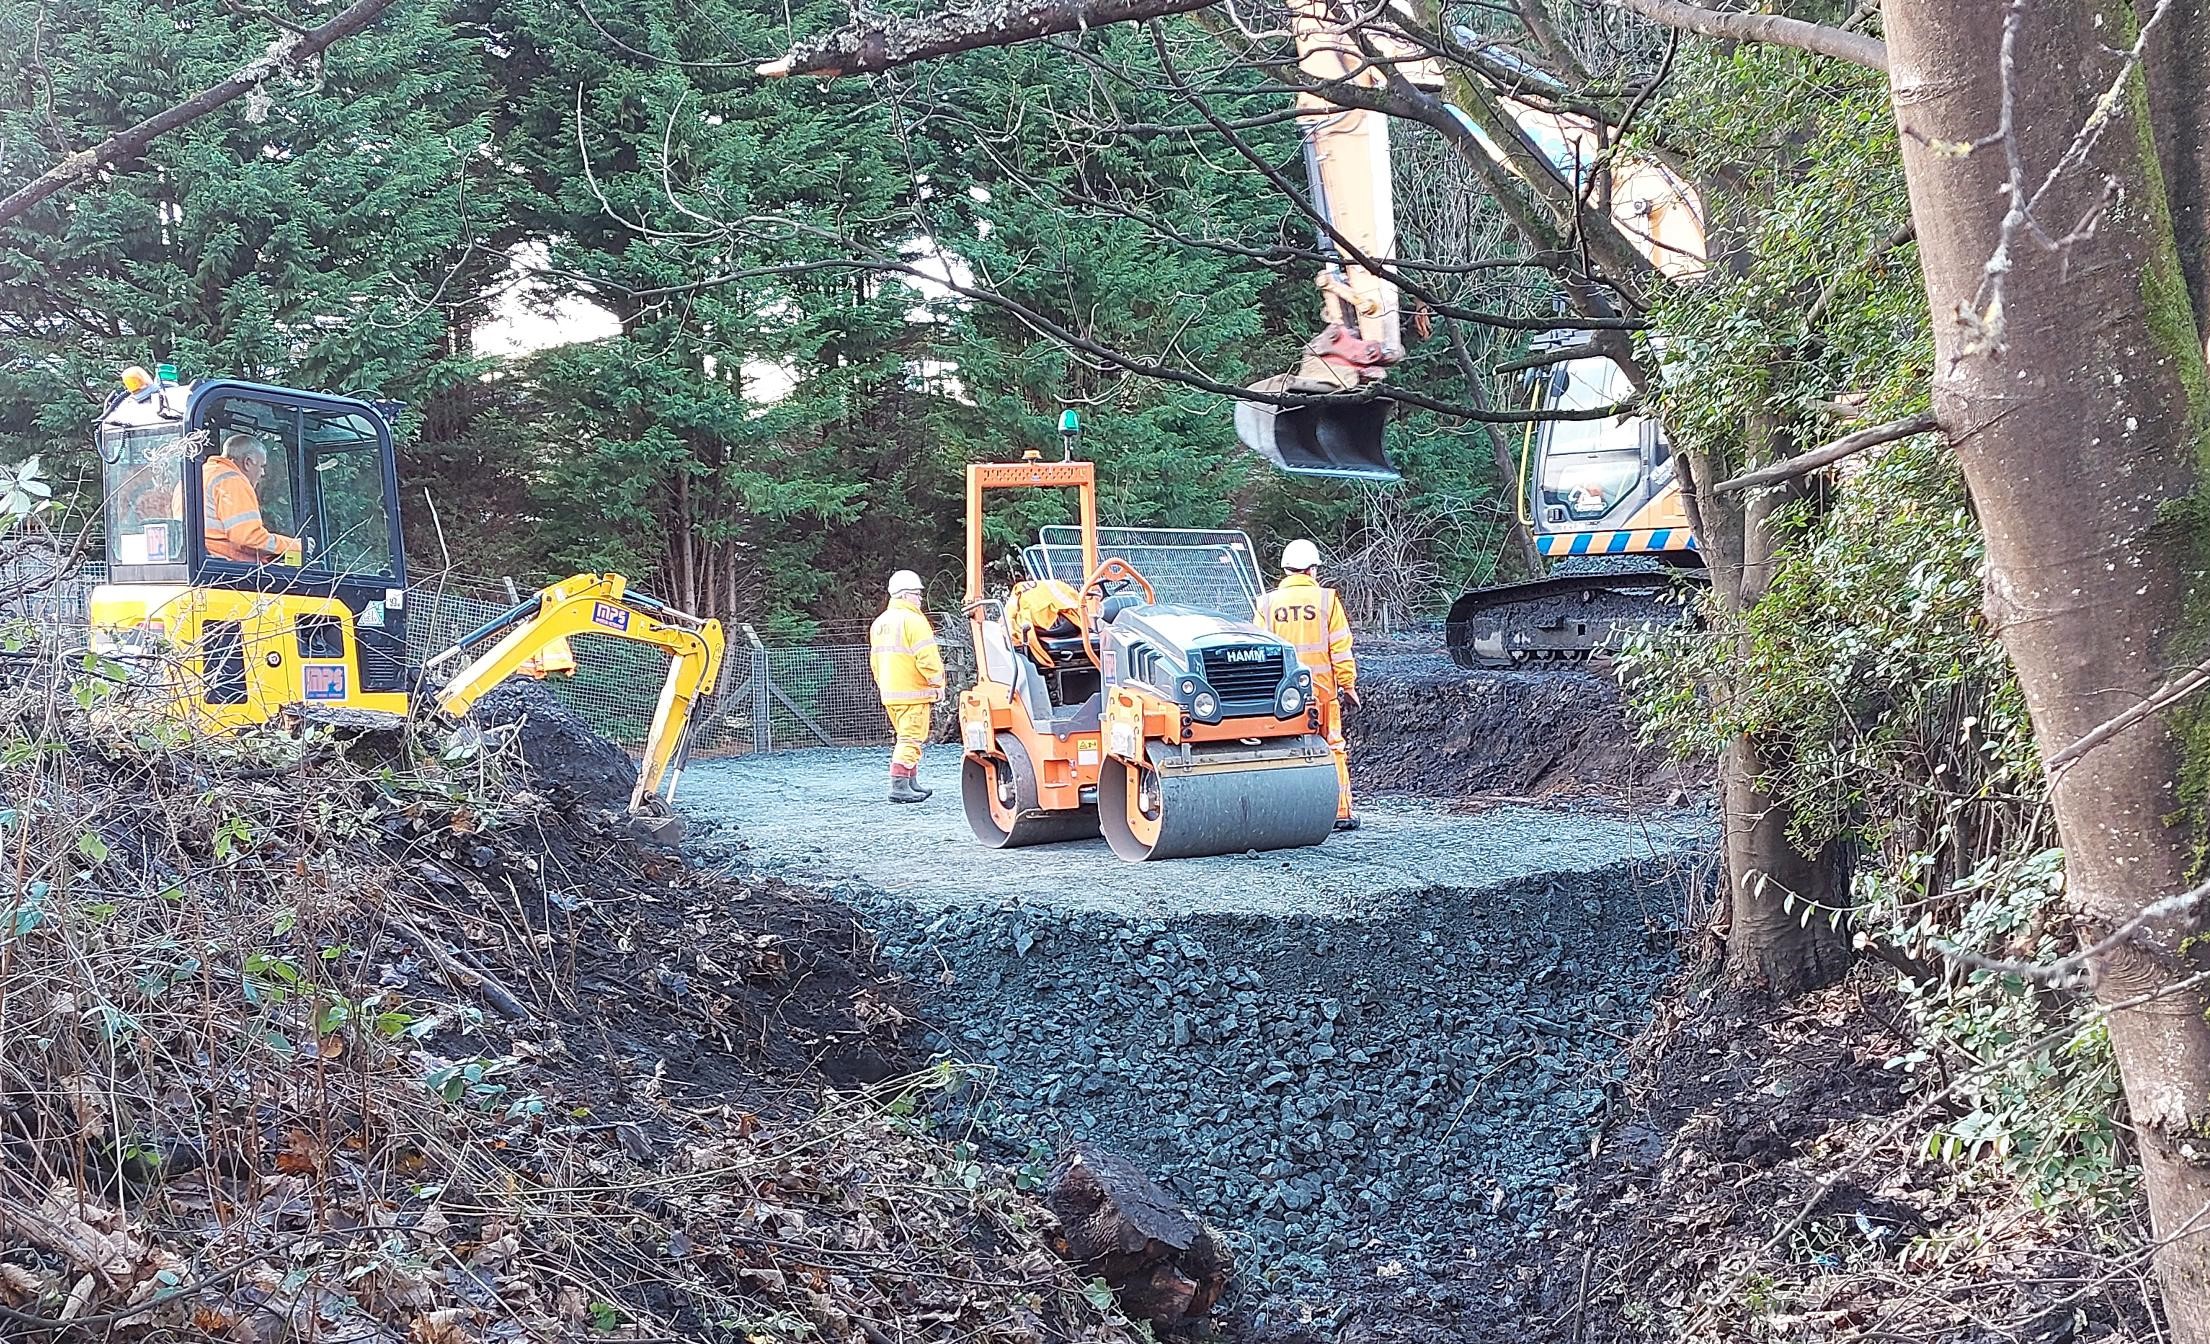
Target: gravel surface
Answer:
[[1374, 1065], [822, 814]]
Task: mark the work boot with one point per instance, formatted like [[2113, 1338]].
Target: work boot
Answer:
[[1346, 823], [913, 782], [902, 789]]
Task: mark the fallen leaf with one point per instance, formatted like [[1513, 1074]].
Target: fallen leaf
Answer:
[[302, 1156]]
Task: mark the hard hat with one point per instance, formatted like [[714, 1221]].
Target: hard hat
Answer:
[[1300, 554], [906, 581]]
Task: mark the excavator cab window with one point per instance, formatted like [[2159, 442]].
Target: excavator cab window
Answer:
[[143, 467], [1589, 466], [349, 488], [329, 484]]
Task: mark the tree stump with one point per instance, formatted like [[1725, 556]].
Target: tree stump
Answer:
[[1163, 1265]]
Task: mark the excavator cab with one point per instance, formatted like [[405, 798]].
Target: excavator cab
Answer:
[[253, 546]]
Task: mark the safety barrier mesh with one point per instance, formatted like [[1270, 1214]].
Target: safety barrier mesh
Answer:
[[1210, 569]]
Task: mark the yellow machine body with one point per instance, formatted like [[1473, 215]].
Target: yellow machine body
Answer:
[[315, 618], [225, 659]]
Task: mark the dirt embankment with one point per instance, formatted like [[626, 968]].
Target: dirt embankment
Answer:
[[1429, 727], [302, 1039], [1768, 1178]]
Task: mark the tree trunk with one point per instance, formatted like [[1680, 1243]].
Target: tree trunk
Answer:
[[2082, 432], [1782, 937]]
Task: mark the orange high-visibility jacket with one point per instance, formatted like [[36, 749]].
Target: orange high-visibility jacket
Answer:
[[902, 653], [1311, 617], [231, 516]]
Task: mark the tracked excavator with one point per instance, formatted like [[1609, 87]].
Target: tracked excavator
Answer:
[[233, 610], [1172, 731], [1599, 496]]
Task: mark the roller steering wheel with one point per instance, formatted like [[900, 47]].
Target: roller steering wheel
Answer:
[[1114, 570]]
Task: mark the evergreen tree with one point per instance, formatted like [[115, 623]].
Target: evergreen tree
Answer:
[[319, 232]]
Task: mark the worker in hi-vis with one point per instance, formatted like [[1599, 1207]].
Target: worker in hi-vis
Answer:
[[909, 675], [1311, 617], [230, 505]]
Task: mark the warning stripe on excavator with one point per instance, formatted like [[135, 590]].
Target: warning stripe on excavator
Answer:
[[1617, 543]]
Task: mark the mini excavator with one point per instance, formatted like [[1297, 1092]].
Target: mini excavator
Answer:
[[320, 627], [1600, 495], [1172, 731]]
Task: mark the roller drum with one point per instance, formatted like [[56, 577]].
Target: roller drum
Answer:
[[999, 793], [1223, 801]]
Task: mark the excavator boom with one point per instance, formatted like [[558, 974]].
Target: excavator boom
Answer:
[[597, 604], [1347, 166]]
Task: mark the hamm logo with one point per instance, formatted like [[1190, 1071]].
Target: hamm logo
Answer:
[[1242, 655]]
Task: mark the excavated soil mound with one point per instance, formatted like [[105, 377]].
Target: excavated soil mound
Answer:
[[1432, 728], [565, 760]]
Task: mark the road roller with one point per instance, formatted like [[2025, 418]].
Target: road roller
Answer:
[[1173, 732]]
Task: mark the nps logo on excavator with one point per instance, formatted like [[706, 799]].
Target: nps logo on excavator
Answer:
[[324, 681], [609, 615]]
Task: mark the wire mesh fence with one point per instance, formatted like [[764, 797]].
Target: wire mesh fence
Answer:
[[769, 696]]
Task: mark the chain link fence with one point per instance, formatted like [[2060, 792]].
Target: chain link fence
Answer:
[[770, 696]]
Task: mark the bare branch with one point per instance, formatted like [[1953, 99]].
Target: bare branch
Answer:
[[2164, 697], [1545, 358], [889, 42], [284, 52], [1098, 350], [1816, 38], [1849, 445]]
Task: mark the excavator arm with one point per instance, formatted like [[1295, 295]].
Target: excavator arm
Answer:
[[1347, 165], [597, 604]]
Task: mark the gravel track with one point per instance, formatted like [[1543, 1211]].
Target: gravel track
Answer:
[[821, 814], [1374, 1064]]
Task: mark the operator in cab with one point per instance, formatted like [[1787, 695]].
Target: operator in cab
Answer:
[[230, 505], [909, 676], [1311, 618]]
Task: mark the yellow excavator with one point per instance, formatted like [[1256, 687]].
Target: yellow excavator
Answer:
[[255, 569], [1599, 496]]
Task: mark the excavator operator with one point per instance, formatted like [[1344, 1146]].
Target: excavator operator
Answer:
[[230, 505], [909, 675], [1311, 617]]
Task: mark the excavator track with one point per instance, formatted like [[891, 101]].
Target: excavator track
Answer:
[[1565, 619]]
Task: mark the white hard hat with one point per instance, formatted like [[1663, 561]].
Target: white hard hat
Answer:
[[906, 581], [1300, 554]]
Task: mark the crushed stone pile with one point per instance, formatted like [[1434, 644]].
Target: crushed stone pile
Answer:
[[1333, 1095], [1371, 1065], [297, 1042]]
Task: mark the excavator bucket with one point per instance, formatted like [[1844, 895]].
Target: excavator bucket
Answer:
[[1322, 439]]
